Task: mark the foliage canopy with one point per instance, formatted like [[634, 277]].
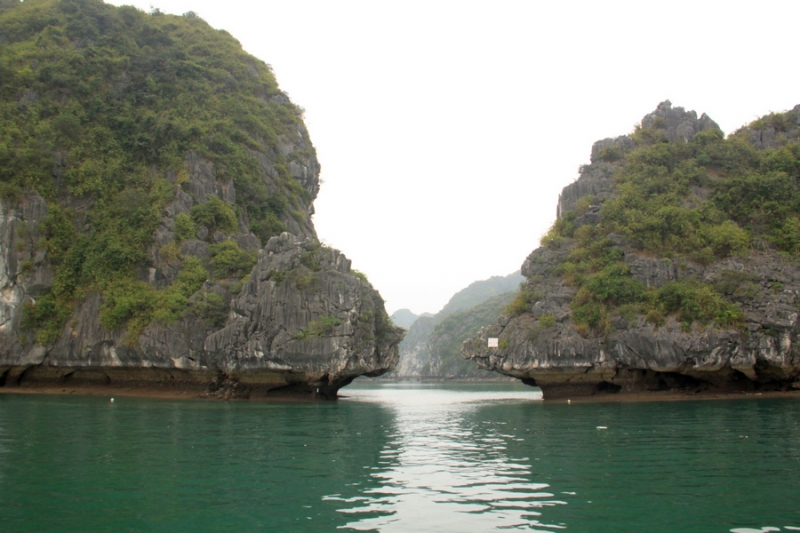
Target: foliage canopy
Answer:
[[99, 108], [697, 201]]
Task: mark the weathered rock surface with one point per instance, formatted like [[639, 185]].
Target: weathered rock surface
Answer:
[[414, 359], [431, 349], [769, 136], [166, 236], [291, 328], [637, 355], [302, 322]]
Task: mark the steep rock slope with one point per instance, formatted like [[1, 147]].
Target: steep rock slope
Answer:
[[431, 349], [156, 193], [673, 264], [414, 360], [444, 342], [403, 318]]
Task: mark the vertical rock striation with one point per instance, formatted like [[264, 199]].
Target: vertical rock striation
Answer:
[[543, 345], [139, 246], [300, 322]]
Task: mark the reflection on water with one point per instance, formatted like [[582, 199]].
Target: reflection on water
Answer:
[[419, 458], [445, 469]]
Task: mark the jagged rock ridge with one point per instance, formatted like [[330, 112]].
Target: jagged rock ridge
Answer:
[[544, 345], [230, 288], [403, 318], [431, 348]]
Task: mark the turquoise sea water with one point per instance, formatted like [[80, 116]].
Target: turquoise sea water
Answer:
[[399, 458]]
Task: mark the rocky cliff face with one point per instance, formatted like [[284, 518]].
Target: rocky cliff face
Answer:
[[431, 349], [403, 318], [414, 361], [300, 321], [543, 344], [226, 288], [444, 343]]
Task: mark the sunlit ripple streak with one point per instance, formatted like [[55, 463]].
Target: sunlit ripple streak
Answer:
[[440, 472]]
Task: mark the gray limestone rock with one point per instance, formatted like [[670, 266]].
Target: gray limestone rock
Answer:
[[414, 350], [293, 326], [25, 272], [677, 123], [279, 327], [302, 322], [542, 346], [202, 181], [621, 145], [771, 137], [595, 182]]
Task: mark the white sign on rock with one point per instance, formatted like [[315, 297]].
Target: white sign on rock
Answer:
[[493, 342]]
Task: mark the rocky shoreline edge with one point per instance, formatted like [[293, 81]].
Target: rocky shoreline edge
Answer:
[[162, 383], [228, 388]]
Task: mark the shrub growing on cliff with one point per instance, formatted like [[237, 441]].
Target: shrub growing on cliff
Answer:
[[324, 325], [211, 308], [727, 239], [610, 154], [184, 227], [302, 278], [602, 292], [547, 321], [697, 302], [360, 275], [310, 259], [522, 302], [136, 303], [45, 317], [228, 260], [114, 99], [125, 299], [699, 201], [215, 215]]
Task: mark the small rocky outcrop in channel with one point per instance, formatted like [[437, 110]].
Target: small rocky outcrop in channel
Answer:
[[621, 303]]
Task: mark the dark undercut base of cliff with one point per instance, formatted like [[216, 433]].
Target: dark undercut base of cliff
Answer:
[[160, 383], [621, 299], [634, 382]]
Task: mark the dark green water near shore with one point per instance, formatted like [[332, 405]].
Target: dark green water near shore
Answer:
[[399, 458]]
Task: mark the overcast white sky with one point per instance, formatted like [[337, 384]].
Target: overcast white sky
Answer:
[[446, 129]]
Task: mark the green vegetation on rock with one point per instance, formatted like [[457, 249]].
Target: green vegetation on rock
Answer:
[[215, 215], [230, 261], [432, 347], [449, 334], [99, 108], [699, 201]]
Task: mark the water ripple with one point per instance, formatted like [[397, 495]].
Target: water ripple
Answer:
[[441, 472]]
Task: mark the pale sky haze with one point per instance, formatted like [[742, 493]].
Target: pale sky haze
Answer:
[[446, 129]]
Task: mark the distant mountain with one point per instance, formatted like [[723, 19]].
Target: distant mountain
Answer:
[[445, 340], [480, 291], [432, 346], [404, 318], [415, 356]]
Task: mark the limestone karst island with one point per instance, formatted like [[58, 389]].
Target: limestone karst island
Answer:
[[155, 223], [672, 265], [156, 195], [181, 351]]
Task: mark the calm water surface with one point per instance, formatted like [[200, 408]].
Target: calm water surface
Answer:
[[399, 458]]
